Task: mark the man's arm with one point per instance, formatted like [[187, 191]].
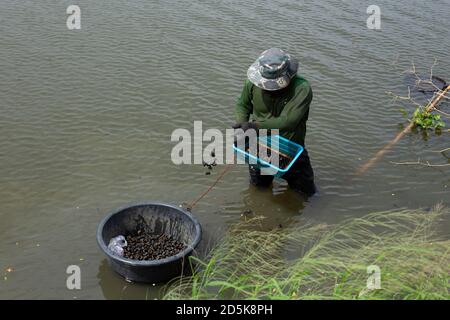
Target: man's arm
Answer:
[[244, 106], [293, 112]]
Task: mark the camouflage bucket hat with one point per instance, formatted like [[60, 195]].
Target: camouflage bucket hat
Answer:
[[273, 70]]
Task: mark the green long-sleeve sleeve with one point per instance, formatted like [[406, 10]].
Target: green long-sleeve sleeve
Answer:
[[244, 106]]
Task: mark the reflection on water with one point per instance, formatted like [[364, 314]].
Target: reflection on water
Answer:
[[116, 288], [279, 206]]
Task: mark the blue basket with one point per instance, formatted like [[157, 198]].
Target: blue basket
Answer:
[[278, 144]]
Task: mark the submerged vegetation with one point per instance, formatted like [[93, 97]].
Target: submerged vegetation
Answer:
[[326, 262]]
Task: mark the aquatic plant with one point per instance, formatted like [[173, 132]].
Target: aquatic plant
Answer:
[[326, 262], [423, 116], [425, 120]]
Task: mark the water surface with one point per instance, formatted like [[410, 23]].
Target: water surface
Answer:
[[86, 118]]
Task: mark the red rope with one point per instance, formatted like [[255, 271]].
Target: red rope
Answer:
[[222, 173]]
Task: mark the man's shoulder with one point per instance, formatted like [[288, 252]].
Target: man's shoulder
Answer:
[[299, 81], [248, 85], [302, 87]]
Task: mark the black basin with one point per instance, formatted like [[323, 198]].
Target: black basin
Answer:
[[161, 218]]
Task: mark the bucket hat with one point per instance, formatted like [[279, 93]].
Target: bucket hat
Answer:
[[273, 70]]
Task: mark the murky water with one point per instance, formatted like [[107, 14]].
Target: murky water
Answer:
[[86, 118]]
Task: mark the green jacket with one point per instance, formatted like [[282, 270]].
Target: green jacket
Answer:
[[286, 109]]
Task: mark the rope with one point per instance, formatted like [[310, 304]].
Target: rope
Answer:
[[219, 177]]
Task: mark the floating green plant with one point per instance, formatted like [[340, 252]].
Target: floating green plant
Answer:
[[425, 120]]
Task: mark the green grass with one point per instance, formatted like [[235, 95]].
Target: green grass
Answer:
[[326, 262]]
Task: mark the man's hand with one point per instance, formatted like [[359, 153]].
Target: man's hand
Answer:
[[246, 125]]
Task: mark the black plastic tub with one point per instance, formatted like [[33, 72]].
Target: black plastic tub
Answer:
[[162, 219]]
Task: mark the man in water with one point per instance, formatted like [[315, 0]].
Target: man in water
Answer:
[[277, 98]]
